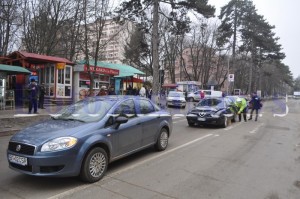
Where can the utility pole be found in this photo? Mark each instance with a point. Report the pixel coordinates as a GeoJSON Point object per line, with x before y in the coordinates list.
{"type": "Point", "coordinates": [228, 82]}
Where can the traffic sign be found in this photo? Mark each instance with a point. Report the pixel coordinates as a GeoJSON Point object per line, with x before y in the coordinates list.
{"type": "Point", "coordinates": [231, 78]}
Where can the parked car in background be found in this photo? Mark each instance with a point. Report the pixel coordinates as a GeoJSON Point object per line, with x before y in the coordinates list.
{"type": "Point", "coordinates": [84, 137]}
{"type": "Point", "coordinates": [212, 110]}
{"type": "Point", "coordinates": [176, 99]}
{"type": "Point", "coordinates": [195, 96]}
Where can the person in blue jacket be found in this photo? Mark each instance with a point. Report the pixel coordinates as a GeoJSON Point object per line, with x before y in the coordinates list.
{"type": "Point", "coordinates": [255, 104]}
{"type": "Point", "coordinates": [33, 93]}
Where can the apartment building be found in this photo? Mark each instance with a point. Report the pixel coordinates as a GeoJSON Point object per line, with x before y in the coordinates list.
{"type": "Point", "coordinates": [112, 42]}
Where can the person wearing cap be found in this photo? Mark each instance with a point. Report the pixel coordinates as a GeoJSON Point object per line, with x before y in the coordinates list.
{"type": "Point", "coordinates": [32, 96]}
{"type": "Point", "coordinates": [256, 105]}
{"type": "Point", "coordinates": [102, 91]}
{"type": "Point", "coordinates": [241, 104]}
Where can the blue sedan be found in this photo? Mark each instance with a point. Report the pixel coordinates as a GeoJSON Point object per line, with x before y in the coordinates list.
{"type": "Point", "coordinates": [84, 137]}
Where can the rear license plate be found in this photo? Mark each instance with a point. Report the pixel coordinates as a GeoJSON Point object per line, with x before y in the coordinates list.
{"type": "Point", "coordinates": [201, 119]}
{"type": "Point", "coordinates": [17, 159]}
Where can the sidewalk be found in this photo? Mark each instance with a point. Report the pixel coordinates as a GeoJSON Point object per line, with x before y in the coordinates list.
{"type": "Point", "coordinates": [12, 121]}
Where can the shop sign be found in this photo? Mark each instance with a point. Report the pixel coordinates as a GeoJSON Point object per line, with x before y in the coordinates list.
{"type": "Point", "coordinates": [101, 70]}
{"type": "Point", "coordinates": [60, 66]}
{"type": "Point", "coordinates": [36, 66]}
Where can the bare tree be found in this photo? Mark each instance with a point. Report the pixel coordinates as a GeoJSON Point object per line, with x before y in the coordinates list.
{"type": "Point", "coordinates": [9, 24]}
{"type": "Point", "coordinates": [96, 14]}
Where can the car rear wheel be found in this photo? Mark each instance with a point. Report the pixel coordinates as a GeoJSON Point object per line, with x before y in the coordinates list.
{"type": "Point", "coordinates": [162, 140]}
{"type": "Point", "coordinates": [94, 165]}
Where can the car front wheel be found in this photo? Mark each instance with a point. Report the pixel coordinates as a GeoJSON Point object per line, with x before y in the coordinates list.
{"type": "Point", "coordinates": [94, 165]}
{"type": "Point", "coordinates": [191, 123]}
{"type": "Point", "coordinates": [162, 140]}
{"type": "Point", "coordinates": [225, 122]}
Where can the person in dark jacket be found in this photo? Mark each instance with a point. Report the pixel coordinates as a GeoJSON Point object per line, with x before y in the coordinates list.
{"type": "Point", "coordinates": [42, 92]}
{"type": "Point", "coordinates": [255, 104]}
{"type": "Point", "coordinates": [111, 91]}
{"type": "Point", "coordinates": [32, 96]}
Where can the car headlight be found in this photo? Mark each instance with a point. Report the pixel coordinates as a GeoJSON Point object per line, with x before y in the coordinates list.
{"type": "Point", "coordinates": [59, 144]}
{"type": "Point", "coordinates": [215, 116]}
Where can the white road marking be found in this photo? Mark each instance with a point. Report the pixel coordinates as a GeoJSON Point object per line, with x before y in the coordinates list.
{"type": "Point", "coordinates": [256, 129]}
{"type": "Point", "coordinates": [260, 114]}
{"type": "Point", "coordinates": [178, 115]}
{"type": "Point", "coordinates": [179, 121]}
{"type": "Point", "coordinates": [82, 187]}
{"type": "Point", "coordinates": [25, 115]}
{"type": "Point", "coordinates": [70, 192]}
{"type": "Point", "coordinates": [160, 155]}
{"type": "Point", "coordinates": [232, 126]}
{"type": "Point", "coordinates": [282, 115]}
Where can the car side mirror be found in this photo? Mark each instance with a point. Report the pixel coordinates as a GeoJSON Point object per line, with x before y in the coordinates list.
{"type": "Point", "coordinates": [195, 104]}
{"type": "Point", "coordinates": [121, 120]}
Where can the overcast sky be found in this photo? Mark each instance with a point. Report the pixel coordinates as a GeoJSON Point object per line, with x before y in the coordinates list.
{"type": "Point", "coordinates": [283, 15]}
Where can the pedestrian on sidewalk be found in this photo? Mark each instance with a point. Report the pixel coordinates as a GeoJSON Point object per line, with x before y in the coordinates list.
{"type": "Point", "coordinates": [142, 92]}
{"type": "Point", "coordinates": [42, 92]}
{"type": "Point", "coordinates": [202, 94]}
{"type": "Point", "coordinates": [32, 96]}
{"type": "Point", "coordinates": [255, 104]}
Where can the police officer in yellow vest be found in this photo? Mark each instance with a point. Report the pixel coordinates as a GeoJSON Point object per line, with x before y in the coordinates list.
{"type": "Point", "coordinates": [241, 104]}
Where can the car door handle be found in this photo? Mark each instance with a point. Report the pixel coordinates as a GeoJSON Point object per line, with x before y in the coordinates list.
{"type": "Point", "coordinates": [138, 123]}
{"type": "Point", "coordinates": [158, 117]}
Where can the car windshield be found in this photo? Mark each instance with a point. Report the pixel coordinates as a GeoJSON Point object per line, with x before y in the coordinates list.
{"type": "Point", "coordinates": [176, 94]}
{"type": "Point", "coordinates": [211, 102]}
{"type": "Point", "coordinates": [85, 111]}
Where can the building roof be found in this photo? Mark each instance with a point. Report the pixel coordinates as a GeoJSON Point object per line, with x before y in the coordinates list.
{"type": "Point", "coordinates": [125, 70]}
{"type": "Point", "coordinates": [44, 57]}
{"type": "Point", "coordinates": [11, 70]}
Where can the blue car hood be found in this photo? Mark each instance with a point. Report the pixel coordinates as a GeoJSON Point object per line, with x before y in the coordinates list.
{"type": "Point", "coordinates": [39, 133]}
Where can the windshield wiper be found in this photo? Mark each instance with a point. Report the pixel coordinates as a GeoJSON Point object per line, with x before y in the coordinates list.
{"type": "Point", "coordinates": [67, 119]}
{"type": "Point", "coordinates": [73, 119]}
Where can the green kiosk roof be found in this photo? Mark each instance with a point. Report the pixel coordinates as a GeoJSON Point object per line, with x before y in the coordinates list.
{"type": "Point", "coordinates": [11, 70]}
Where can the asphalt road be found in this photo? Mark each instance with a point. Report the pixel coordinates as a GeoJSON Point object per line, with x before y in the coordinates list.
{"type": "Point", "coordinates": [251, 160]}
